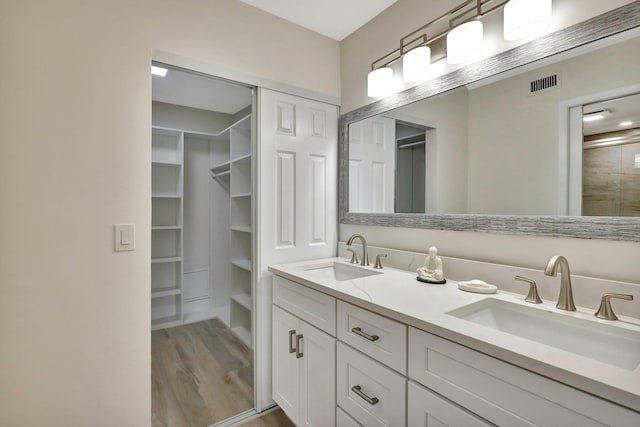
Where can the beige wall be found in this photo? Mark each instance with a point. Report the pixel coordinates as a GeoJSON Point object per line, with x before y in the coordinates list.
{"type": "Point", "coordinates": [598, 258]}
{"type": "Point", "coordinates": [513, 160]}
{"type": "Point", "coordinates": [75, 114]}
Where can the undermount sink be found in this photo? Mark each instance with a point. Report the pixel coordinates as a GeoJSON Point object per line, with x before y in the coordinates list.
{"type": "Point", "coordinates": [605, 343]}
{"type": "Point", "coordinates": [339, 271]}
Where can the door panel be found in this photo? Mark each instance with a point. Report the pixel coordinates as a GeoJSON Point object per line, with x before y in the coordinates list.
{"type": "Point", "coordinates": [298, 158]}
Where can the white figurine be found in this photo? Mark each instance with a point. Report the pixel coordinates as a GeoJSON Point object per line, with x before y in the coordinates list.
{"type": "Point", "coordinates": [432, 269]}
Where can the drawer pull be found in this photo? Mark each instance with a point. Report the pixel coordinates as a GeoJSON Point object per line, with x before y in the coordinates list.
{"type": "Point", "coordinates": [292, 349]}
{"type": "Point", "coordinates": [370, 400]}
{"type": "Point", "coordinates": [299, 354]}
{"type": "Point", "coordinates": [358, 331]}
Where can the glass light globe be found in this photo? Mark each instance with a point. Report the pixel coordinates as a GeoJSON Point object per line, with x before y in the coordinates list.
{"type": "Point", "coordinates": [465, 42]}
{"type": "Point", "coordinates": [526, 18]}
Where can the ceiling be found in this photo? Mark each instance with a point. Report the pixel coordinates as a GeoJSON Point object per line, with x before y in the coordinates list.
{"type": "Point", "coordinates": [333, 18]}
{"type": "Point", "coordinates": [198, 91]}
{"type": "Point", "coordinates": [621, 109]}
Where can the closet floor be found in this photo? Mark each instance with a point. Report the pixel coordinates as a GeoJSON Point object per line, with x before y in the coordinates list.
{"type": "Point", "coordinates": [275, 418]}
{"type": "Point", "coordinates": [200, 373]}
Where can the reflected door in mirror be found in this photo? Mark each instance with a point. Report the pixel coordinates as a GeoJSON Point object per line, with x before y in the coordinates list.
{"type": "Point", "coordinates": [372, 165]}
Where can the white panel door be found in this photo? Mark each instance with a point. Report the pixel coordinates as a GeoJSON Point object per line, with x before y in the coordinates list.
{"type": "Point", "coordinates": [298, 161]}
{"type": "Point", "coordinates": [285, 365]}
{"type": "Point", "coordinates": [372, 158]}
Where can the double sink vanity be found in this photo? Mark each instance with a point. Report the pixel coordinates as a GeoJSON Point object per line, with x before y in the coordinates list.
{"type": "Point", "coordinates": [356, 345]}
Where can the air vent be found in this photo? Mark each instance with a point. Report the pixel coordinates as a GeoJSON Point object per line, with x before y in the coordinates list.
{"type": "Point", "coordinates": [543, 84]}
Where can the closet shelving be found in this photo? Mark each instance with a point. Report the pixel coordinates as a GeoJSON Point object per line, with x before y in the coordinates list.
{"type": "Point", "coordinates": [241, 224]}
{"type": "Point", "coordinates": [166, 228]}
{"type": "Point", "coordinates": [178, 295]}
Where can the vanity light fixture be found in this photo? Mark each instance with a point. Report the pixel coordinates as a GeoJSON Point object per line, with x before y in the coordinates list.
{"type": "Point", "coordinates": [380, 82]}
{"type": "Point", "coordinates": [596, 115]}
{"type": "Point", "coordinates": [416, 64]}
{"type": "Point", "coordinates": [526, 18]}
{"type": "Point", "coordinates": [158, 71]}
{"type": "Point", "coordinates": [460, 42]}
{"type": "Point", "coordinates": [465, 42]}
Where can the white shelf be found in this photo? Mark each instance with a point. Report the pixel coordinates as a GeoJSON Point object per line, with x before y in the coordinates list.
{"type": "Point", "coordinates": [221, 167]}
{"type": "Point", "coordinates": [220, 174]}
{"type": "Point", "coordinates": [165, 293]}
{"type": "Point", "coordinates": [221, 313]}
{"type": "Point", "coordinates": [244, 264]}
{"type": "Point", "coordinates": [242, 229]}
{"type": "Point", "coordinates": [244, 158]}
{"type": "Point", "coordinates": [166, 259]}
{"type": "Point", "coordinates": [166, 227]}
{"type": "Point", "coordinates": [167, 164]}
{"type": "Point", "coordinates": [166, 196]}
{"type": "Point", "coordinates": [243, 333]}
{"type": "Point", "coordinates": [166, 322]}
{"type": "Point", "coordinates": [244, 300]}
{"type": "Point", "coordinates": [241, 195]}
{"type": "Point", "coordinates": [198, 316]}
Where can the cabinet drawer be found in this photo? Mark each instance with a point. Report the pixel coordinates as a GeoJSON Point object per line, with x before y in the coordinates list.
{"type": "Point", "coordinates": [368, 391]}
{"type": "Point", "coordinates": [379, 337]}
{"type": "Point", "coordinates": [344, 420]}
{"type": "Point", "coordinates": [315, 307]}
{"type": "Point", "coordinates": [426, 408]}
{"type": "Point", "coordinates": [502, 393]}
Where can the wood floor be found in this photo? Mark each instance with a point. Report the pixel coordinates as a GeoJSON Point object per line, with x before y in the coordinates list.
{"type": "Point", "coordinates": [275, 418]}
{"type": "Point", "coordinates": [201, 374]}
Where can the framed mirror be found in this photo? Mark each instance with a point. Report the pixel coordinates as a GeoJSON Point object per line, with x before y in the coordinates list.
{"type": "Point", "coordinates": [509, 144]}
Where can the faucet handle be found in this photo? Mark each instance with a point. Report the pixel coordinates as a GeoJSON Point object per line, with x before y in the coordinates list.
{"type": "Point", "coordinates": [606, 311]}
{"type": "Point", "coordinates": [354, 255]}
{"type": "Point", "coordinates": [378, 263]}
{"type": "Point", "coordinates": [533, 297]}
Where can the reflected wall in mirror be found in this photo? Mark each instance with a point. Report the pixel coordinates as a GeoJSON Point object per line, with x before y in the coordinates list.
{"type": "Point", "coordinates": [499, 158]}
{"type": "Point", "coordinates": [493, 147]}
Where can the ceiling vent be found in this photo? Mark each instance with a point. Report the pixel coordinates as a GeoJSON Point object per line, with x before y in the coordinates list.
{"type": "Point", "coordinates": [544, 84]}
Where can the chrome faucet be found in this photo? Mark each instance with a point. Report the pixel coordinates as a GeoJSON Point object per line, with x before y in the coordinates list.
{"type": "Point", "coordinates": [365, 256]}
{"type": "Point", "coordinates": [565, 298]}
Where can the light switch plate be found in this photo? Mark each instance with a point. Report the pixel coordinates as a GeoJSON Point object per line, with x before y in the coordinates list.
{"type": "Point", "coordinates": [124, 237]}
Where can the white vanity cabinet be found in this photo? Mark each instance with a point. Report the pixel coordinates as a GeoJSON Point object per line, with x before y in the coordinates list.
{"type": "Point", "coordinates": [503, 393]}
{"type": "Point", "coordinates": [303, 356]}
{"type": "Point", "coordinates": [383, 372]}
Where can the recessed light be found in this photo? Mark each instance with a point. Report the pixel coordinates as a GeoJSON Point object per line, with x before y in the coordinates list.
{"type": "Point", "coordinates": [158, 71]}
{"type": "Point", "coordinates": [596, 115]}
{"type": "Point", "coordinates": [626, 123]}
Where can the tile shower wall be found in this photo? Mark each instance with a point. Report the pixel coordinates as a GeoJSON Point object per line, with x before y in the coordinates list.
{"type": "Point", "coordinates": [611, 181]}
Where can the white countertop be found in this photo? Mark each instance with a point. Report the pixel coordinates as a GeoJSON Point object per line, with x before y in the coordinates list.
{"type": "Point", "coordinates": [397, 294]}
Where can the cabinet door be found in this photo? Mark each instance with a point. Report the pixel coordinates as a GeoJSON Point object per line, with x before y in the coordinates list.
{"type": "Point", "coordinates": [427, 409]}
{"type": "Point", "coordinates": [285, 382]}
{"type": "Point", "coordinates": [317, 377]}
